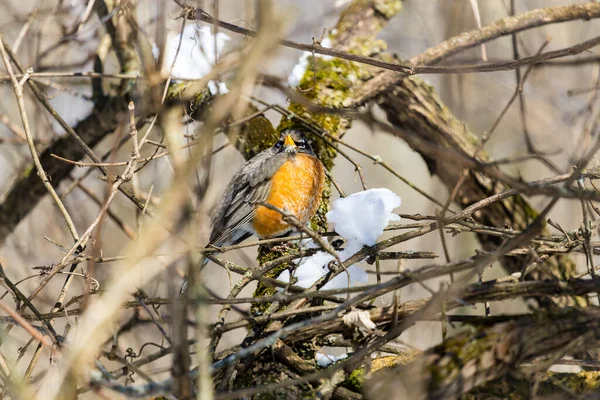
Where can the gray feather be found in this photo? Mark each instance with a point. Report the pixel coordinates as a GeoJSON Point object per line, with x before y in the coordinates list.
{"type": "Point", "coordinates": [237, 207]}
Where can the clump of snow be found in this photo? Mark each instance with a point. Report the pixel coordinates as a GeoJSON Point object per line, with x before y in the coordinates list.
{"type": "Point", "coordinates": [197, 55]}
{"type": "Point", "coordinates": [325, 360]}
{"type": "Point", "coordinates": [217, 87]}
{"type": "Point", "coordinates": [363, 216]}
{"type": "Point", "coordinates": [299, 69]}
{"type": "Point", "coordinates": [315, 267]}
{"type": "Point", "coordinates": [360, 219]}
{"type": "Point", "coordinates": [71, 108]}
{"type": "Point", "coordinates": [360, 319]}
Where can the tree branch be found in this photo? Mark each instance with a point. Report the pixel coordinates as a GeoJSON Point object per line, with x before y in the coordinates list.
{"type": "Point", "coordinates": [502, 27]}
{"type": "Point", "coordinates": [473, 358]}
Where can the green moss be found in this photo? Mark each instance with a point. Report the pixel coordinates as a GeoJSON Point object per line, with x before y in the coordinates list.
{"type": "Point", "coordinates": [319, 221]}
{"type": "Point", "coordinates": [578, 383]}
{"type": "Point", "coordinates": [256, 135]}
{"type": "Point", "coordinates": [388, 8]}
{"type": "Point", "coordinates": [551, 383]}
{"type": "Point", "coordinates": [198, 104]}
{"type": "Point", "coordinates": [330, 82]}
{"type": "Point", "coordinates": [266, 254]}
{"type": "Point", "coordinates": [456, 352]}
{"type": "Point", "coordinates": [356, 379]}
{"type": "Point", "coordinates": [175, 91]}
{"type": "Point", "coordinates": [367, 47]}
{"type": "Point", "coordinates": [385, 362]}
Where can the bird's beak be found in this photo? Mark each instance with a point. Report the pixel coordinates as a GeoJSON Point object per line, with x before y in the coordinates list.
{"type": "Point", "coordinates": [289, 142]}
{"type": "Point", "coordinates": [289, 146]}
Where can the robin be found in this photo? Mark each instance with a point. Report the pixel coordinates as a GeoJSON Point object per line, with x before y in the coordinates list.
{"type": "Point", "coordinates": [287, 176]}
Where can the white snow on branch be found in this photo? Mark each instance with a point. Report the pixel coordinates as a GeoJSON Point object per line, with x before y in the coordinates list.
{"type": "Point", "coordinates": [197, 55]}
{"type": "Point", "coordinates": [360, 319]}
{"type": "Point", "coordinates": [325, 360]}
{"type": "Point", "coordinates": [299, 69]}
{"type": "Point", "coordinates": [360, 219]}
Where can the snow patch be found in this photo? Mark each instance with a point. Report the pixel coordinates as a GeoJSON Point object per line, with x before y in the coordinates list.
{"type": "Point", "coordinates": [315, 267]}
{"type": "Point", "coordinates": [197, 55]}
{"type": "Point", "coordinates": [359, 318]}
{"type": "Point", "coordinates": [360, 219]}
{"type": "Point", "coordinates": [325, 360]}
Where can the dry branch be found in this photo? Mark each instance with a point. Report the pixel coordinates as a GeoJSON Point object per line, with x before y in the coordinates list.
{"type": "Point", "coordinates": [503, 27]}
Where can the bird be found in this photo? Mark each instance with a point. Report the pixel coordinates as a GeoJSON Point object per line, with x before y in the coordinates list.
{"type": "Point", "coordinates": [288, 176]}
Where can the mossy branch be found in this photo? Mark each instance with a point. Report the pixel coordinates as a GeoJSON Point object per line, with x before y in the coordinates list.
{"type": "Point", "coordinates": [478, 356]}
{"type": "Point", "coordinates": [415, 109]}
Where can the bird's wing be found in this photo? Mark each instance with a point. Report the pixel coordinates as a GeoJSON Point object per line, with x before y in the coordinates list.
{"type": "Point", "coordinates": [237, 207]}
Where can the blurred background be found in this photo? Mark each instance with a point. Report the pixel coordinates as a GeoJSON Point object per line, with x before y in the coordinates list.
{"type": "Point", "coordinates": [555, 118]}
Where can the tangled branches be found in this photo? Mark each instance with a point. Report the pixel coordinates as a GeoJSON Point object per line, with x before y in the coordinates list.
{"type": "Point", "coordinates": [252, 324]}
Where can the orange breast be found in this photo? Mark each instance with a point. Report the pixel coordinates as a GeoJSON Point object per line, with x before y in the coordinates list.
{"type": "Point", "coordinates": [296, 188]}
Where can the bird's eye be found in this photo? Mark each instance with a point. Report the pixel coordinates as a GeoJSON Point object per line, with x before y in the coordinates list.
{"type": "Point", "coordinates": [301, 143]}
{"type": "Point", "coordinates": [279, 144]}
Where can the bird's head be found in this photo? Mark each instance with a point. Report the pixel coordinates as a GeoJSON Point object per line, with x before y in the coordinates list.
{"type": "Point", "coordinates": [292, 141]}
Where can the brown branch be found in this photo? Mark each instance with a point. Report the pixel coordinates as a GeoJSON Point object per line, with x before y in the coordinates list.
{"type": "Point", "coordinates": [41, 173]}
{"type": "Point", "coordinates": [26, 192]}
{"type": "Point", "coordinates": [471, 359]}
{"type": "Point", "coordinates": [472, 294]}
{"type": "Point", "coordinates": [28, 328]}
{"type": "Point", "coordinates": [107, 115]}
{"type": "Point", "coordinates": [416, 111]}
{"type": "Point", "coordinates": [502, 27]}
{"type": "Point", "coordinates": [410, 309]}
{"type": "Point", "coordinates": [367, 13]}
{"type": "Point", "coordinates": [418, 65]}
